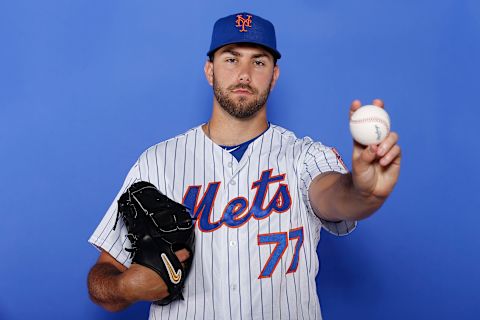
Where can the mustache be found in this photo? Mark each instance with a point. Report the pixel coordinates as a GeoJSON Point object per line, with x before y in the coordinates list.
{"type": "Point", "coordinates": [242, 86]}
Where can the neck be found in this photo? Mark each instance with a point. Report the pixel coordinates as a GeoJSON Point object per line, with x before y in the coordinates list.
{"type": "Point", "coordinates": [223, 129]}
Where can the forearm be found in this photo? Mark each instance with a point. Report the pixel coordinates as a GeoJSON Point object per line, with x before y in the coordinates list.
{"type": "Point", "coordinates": [334, 198]}
{"type": "Point", "coordinates": [105, 287]}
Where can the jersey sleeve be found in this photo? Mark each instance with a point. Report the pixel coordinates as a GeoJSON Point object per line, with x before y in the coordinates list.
{"type": "Point", "coordinates": [105, 237]}
{"type": "Point", "coordinates": [320, 159]}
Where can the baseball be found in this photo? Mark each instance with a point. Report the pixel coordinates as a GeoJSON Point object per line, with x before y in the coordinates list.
{"type": "Point", "coordinates": [369, 125]}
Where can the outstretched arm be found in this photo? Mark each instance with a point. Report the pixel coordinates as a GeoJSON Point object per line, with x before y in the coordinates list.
{"type": "Point", "coordinates": [357, 195]}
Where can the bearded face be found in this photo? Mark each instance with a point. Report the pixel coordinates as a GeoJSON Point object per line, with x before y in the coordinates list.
{"type": "Point", "coordinates": [240, 106]}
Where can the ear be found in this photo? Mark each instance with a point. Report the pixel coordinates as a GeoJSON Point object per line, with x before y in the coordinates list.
{"type": "Point", "coordinates": [276, 74]}
{"type": "Point", "coordinates": [208, 69]}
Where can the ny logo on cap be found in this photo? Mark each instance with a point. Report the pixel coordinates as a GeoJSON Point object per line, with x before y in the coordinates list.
{"type": "Point", "coordinates": [242, 22]}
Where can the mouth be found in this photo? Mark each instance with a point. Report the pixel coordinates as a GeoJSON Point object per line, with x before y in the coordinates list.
{"type": "Point", "coordinates": [242, 91]}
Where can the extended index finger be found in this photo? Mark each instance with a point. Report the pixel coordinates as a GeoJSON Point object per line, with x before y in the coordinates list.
{"type": "Point", "coordinates": [356, 104]}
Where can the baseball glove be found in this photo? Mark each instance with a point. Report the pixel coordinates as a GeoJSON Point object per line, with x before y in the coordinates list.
{"type": "Point", "coordinates": [157, 227]}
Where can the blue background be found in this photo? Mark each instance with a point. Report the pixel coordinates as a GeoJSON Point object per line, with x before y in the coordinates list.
{"type": "Point", "coordinates": [86, 86]}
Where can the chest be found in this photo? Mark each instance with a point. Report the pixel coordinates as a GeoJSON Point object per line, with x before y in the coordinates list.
{"type": "Point", "coordinates": [223, 192]}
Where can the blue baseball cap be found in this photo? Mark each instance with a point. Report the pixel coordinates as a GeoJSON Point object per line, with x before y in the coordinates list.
{"type": "Point", "coordinates": [244, 28]}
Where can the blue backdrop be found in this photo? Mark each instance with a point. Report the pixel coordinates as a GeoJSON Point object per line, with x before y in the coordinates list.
{"type": "Point", "coordinates": [86, 86]}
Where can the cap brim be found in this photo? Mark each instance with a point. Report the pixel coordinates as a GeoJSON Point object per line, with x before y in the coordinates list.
{"type": "Point", "coordinates": [274, 52]}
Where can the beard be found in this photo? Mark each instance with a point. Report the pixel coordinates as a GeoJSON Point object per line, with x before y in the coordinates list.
{"type": "Point", "coordinates": [240, 108]}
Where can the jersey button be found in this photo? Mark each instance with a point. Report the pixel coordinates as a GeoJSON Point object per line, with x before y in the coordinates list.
{"type": "Point", "coordinates": [230, 164]}
{"type": "Point", "coordinates": [233, 182]}
{"type": "Point", "coordinates": [233, 287]}
{"type": "Point", "coordinates": [233, 243]}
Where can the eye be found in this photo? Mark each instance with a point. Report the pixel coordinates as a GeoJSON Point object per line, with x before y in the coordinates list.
{"type": "Point", "coordinates": [230, 60]}
{"type": "Point", "coordinates": [259, 63]}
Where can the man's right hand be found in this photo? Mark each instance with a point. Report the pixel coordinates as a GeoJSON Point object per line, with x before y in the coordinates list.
{"type": "Point", "coordinates": [141, 283]}
{"type": "Point", "coordinates": [115, 287]}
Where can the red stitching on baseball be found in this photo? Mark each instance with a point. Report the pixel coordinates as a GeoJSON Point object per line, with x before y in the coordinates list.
{"type": "Point", "coordinates": [372, 120]}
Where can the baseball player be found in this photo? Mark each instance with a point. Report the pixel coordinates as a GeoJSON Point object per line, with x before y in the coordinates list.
{"type": "Point", "coordinates": [258, 194]}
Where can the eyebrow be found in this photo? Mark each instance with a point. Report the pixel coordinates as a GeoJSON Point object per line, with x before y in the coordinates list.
{"type": "Point", "coordinates": [260, 55]}
{"type": "Point", "coordinates": [232, 52]}
{"type": "Point", "coordinates": [238, 54]}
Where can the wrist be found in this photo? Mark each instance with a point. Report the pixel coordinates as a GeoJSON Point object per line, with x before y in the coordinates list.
{"type": "Point", "coordinates": [363, 199]}
{"type": "Point", "coordinates": [368, 198]}
{"type": "Point", "coordinates": [124, 287]}
{"type": "Point", "coordinates": [364, 191]}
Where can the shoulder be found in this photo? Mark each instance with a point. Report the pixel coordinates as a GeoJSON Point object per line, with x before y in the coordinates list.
{"type": "Point", "coordinates": [183, 138]}
{"type": "Point", "coordinates": [292, 139]}
{"type": "Point", "coordinates": [307, 151]}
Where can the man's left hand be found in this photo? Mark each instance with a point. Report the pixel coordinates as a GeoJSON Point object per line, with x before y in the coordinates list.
{"type": "Point", "coordinates": [375, 168]}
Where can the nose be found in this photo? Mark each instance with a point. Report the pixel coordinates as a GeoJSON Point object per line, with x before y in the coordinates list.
{"type": "Point", "coordinates": [244, 74]}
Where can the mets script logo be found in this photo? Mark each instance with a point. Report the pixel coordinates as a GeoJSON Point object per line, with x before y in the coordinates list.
{"type": "Point", "coordinates": [241, 22]}
{"type": "Point", "coordinates": [175, 277]}
{"type": "Point", "coordinates": [239, 210]}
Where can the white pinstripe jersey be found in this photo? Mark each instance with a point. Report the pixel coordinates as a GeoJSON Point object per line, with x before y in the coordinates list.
{"type": "Point", "coordinates": [256, 234]}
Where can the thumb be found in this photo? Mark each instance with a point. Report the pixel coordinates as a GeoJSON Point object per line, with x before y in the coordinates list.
{"type": "Point", "coordinates": [366, 156]}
